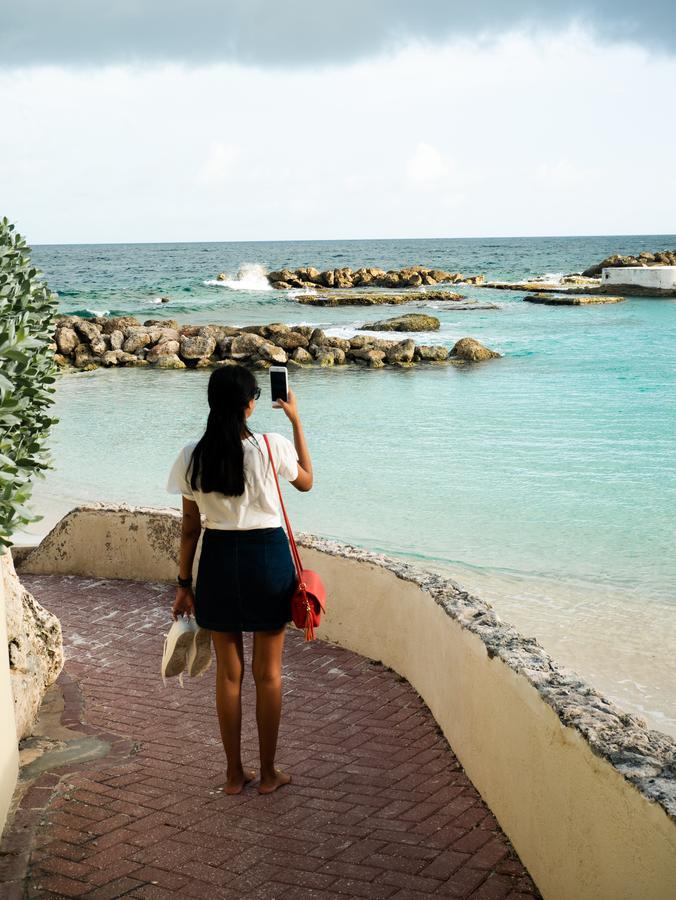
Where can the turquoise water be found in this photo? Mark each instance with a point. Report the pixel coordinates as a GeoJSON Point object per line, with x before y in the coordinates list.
{"type": "Point", "coordinates": [548, 477]}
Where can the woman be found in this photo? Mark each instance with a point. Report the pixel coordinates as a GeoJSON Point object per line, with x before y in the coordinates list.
{"type": "Point", "coordinates": [245, 577]}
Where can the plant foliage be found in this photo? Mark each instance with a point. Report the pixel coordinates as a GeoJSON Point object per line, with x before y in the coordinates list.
{"type": "Point", "coordinates": [27, 373]}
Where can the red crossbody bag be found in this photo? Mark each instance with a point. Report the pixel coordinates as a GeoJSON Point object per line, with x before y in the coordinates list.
{"type": "Point", "coordinates": [309, 599]}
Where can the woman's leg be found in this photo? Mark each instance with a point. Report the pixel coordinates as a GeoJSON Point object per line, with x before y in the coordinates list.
{"type": "Point", "coordinates": [267, 673]}
{"type": "Point", "coordinates": [229, 677]}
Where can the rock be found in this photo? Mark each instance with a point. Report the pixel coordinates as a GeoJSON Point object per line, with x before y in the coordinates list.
{"type": "Point", "coordinates": [325, 356]}
{"type": "Point", "coordinates": [301, 356]}
{"type": "Point", "coordinates": [272, 352]}
{"type": "Point", "coordinates": [246, 344]}
{"type": "Point", "coordinates": [88, 330]}
{"type": "Point", "coordinates": [401, 352]}
{"type": "Point", "coordinates": [166, 348]}
{"type": "Point", "coordinates": [308, 273]}
{"type": "Point", "coordinates": [290, 341]}
{"type": "Point", "coordinates": [475, 279]}
{"type": "Point", "coordinates": [34, 646]}
{"type": "Point", "coordinates": [339, 356]}
{"type": "Point", "coordinates": [111, 357]}
{"type": "Point", "coordinates": [160, 335]}
{"type": "Point", "coordinates": [164, 323]}
{"type": "Point", "coordinates": [390, 279]}
{"type": "Point", "coordinates": [196, 346]}
{"type": "Point", "coordinates": [328, 279]}
{"type": "Point", "coordinates": [66, 340]}
{"type": "Point", "coordinates": [170, 361]}
{"type": "Point", "coordinates": [318, 337]}
{"type": "Point", "coordinates": [429, 353]}
{"type": "Point", "coordinates": [373, 358]}
{"type": "Point", "coordinates": [99, 346]}
{"type": "Point", "coordinates": [408, 322]}
{"type": "Point", "coordinates": [221, 331]}
{"type": "Point", "coordinates": [471, 350]}
{"type": "Point", "coordinates": [281, 275]}
{"type": "Point", "coordinates": [130, 359]}
{"type": "Point", "coordinates": [361, 341]}
{"type": "Point", "coordinates": [135, 341]}
{"type": "Point", "coordinates": [119, 322]}
{"type": "Point", "coordinates": [571, 299]}
{"type": "Point", "coordinates": [61, 361]}
{"type": "Point", "coordinates": [222, 276]}
{"type": "Point", "coordinates": [84, 358]}
{"type": "Point", "coordinates": [116, 339]}
{"type": "Point", "coordinates": [305, 330]}
{"type": "Point", "coordinates": [224, 345]}
{"type": "Point", "coordinates": [338, 343]}
{"type": "Point", "coordinates": [271, 331]}
{"type": "Point", "coordinates": [282, 286]}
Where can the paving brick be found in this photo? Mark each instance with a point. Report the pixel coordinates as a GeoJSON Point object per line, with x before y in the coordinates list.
{"type": "Point", "coordinates": [495, 887]}
{"type": "Point", "coordinates": [379, 806]}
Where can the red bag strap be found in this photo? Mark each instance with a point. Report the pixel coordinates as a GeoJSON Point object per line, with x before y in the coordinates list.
{"type": "Point", "coordinates": [292, 540]}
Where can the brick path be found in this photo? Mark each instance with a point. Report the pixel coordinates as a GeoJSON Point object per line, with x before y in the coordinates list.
{"type": "Point", "coordinates": [379, 807]}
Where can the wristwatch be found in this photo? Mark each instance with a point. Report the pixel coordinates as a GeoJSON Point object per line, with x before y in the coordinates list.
{"type": "Point", "coordinates": [184, 582]}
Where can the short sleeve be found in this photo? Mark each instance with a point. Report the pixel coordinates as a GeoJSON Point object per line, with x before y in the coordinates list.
{"type": "Point", "coordinates": [286, 458]}
{"type": "Point", "coordinates": [177, 482]}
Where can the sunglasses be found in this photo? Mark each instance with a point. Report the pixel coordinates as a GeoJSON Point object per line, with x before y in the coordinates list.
{"type": "Point", "coordinates": [257, 393]}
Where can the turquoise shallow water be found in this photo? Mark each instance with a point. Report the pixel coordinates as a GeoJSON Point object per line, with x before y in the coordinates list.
{"type": "Point", "coordinates": [547, 479]}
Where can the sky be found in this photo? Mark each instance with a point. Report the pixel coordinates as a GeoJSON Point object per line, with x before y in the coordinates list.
{"type": "Point", "coordinates": [294, 120]}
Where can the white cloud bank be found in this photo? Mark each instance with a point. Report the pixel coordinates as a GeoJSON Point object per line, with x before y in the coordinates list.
{"type": "Point", "coordinates": [538, 136]}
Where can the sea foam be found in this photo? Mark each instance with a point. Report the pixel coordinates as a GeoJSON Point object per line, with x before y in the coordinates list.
{"type": "Point", "coordinates": [251, 277]}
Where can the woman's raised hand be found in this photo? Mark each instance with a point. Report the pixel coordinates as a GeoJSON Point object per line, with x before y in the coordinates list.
{"type": "Point", "coordinates": [289, 406]}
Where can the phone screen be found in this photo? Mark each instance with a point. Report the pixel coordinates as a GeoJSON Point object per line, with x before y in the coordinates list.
{"type": "Point", "coordinates": [278, 385]}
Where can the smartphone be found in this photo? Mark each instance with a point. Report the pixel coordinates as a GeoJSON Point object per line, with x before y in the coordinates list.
{"type": "Point", "coordinates": [279, 384]}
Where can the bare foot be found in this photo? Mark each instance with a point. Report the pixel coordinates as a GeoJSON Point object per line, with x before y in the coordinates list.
{"type": "Point", "coordinates": [235, 784]}
{"type": "Point", "coordinates": [271, 783]}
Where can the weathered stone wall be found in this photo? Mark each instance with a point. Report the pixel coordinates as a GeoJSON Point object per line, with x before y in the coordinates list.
{"type": "Point", "coordinates": [35, 647]}
{"type": "Point", "coordinates": [9, 745]}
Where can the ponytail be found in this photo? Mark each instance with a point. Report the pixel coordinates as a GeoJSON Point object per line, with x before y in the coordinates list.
{"type": "Point", "coordinates": [217, 461]}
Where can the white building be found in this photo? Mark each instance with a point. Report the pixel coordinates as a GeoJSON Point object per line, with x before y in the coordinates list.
{"type": "Point", "coordinates": [657, 278]}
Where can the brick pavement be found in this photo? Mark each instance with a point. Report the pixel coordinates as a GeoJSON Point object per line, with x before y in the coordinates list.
{"type": "Point", "coordinates": [379, 806]}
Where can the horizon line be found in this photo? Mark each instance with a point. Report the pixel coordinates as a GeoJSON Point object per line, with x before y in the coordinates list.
{"type": "Point", "coordinates": [346, 240]}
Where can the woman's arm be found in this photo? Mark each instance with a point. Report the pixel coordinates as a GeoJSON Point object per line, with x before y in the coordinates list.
{"type": "Point", "coordinates": [191, 528]}
{"type": "Point", "coordinates": [305, 478]}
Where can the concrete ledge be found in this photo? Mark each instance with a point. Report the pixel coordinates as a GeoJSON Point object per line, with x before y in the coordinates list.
{"type": "Point", "coordinates": [585, 792]}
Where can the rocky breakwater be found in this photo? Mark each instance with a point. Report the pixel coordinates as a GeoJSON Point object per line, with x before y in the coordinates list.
{"type": "Point", "coordinates": [660, 258]}
{"type": "Point", "coordinates": [572, 300]}
{"type": "Point", "coordinates": [375, 299]}
{"type": "Point", "coordinates": [410, 276]}
{"type": "Point", "coordinates": [88, 344]}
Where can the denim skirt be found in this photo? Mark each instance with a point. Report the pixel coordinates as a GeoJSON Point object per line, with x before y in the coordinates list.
{"type": "Point", "coordinates": [245, 580]}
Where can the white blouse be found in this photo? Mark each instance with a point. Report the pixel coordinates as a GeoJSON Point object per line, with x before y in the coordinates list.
{"type": "Point", "coordinates": [258, 506]}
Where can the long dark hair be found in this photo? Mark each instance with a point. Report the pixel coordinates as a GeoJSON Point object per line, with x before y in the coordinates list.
{"type": "Point", "coordinates": [218, 457]}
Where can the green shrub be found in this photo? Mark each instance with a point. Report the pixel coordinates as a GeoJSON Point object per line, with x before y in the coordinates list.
{"type": "Point", "coordinates": [27, 369]}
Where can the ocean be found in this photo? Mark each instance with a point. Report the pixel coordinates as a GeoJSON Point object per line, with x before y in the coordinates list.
{"type": "Point", "coordinates": [544, 481]}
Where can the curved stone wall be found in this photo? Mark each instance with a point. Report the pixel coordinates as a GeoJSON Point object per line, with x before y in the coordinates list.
{"type": "Point", "coordinates": [585, 792]}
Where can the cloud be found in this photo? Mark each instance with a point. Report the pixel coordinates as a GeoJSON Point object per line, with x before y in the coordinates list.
{"type": "Point", "coordinates": [295, 33]}
{"type": "Point", "coordinates": [427, 167]}
{"type": "Point", "coordinates": [219, 164]}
